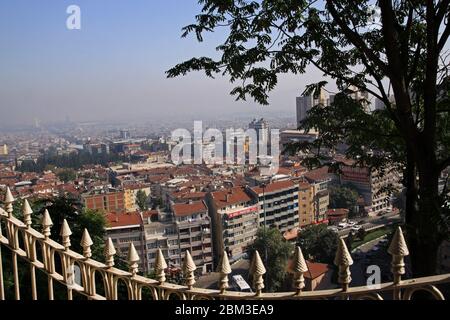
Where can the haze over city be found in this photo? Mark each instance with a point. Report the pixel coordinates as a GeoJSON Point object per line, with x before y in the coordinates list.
{"type": "Point", "coordinates": [114, 67]}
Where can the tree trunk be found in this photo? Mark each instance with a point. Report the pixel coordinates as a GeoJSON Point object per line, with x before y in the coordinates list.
{"type": "Point", "coordinates": [423, 225]}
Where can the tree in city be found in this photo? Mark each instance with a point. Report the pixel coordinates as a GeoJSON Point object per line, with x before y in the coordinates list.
{"type": "Point", "coordinates": [142, 200]}
{"type": "Point", "coordinates": [67, 175]}
{"type": "Point", "coordinates": [318, 243]}
{"type": "Point", "coordinates": [344, 198]}
{"type": "Point", "coordinates": [275, 253]}
{"type": "Point", "coordinates": [399, 57]}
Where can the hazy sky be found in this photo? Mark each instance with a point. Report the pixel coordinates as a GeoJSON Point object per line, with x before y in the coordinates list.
{"type": "Point", "coordinates": [113, 68]}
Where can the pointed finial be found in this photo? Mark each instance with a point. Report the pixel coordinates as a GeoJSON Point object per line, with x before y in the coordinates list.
{"type": "Point", "coordinates": [133, 259]}
{"type": "Point", "coordinates": [160, 267]}
{"type": "Point", "coordinates": [86, 243]}
{"type": "Point", "coordinates": [46, 224]}
{"type": "Point", "coordinates": [65, 234]}
{"type": "Point", "coordinates": [224, 269]}
{"type": "Point", "coordinates": [110, 251]}
{"type": "Point", "coordinates": [188, 269]}
{"type": "Point", "coordinates": [343, 260]}
{"type": "Point", "coordinates": [9, 200]}
{"type": "Point", "coordinates": [299, 268]}
{"type": "Point", "coordinates": [258, 271]}
{"type": "Point", "coordinates": [399, 250]}
{"type": "Point", "coordinates": [27, 212]}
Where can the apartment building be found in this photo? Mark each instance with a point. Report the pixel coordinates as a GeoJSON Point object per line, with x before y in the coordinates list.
{"type": "Point", "coordinates": [186, 228]}
{"type": "Point", "coordinates": [306, 212]}
{"type": "Point", "coordinates": [193, 226]}
{"type": "Point", "coordinates": [235, 221]}
{"type": "Point", "coordinates": [277, 205]}
{"type": "Point", "coordinates": [370, 184]}
{"type": "Point", "coordinates": [105, 201]}
{"type": "Point", "coordinates": [320, 179]}
{"type": "Point", "coordinates": [124, 229]}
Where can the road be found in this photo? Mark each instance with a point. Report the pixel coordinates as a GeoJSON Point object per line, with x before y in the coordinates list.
{"type": "Point", "coordinates": [374, 222]}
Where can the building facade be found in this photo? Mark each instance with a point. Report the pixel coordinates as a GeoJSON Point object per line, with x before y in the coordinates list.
{"type": "Point", "coordinates": [105, 201]}
{"type": "Point", "coordinates": [278, 205]}
{"type": "Point", "coordinates": [235, 221]}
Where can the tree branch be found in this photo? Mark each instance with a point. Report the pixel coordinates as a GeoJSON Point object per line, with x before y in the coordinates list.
{"type": "Point", "coordinates": [356, 39]}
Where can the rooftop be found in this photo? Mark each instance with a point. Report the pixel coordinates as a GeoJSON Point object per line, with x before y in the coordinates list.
{"type": "Point", "coordinates": [275, 186]}
{"type": "Point", "coordinates": [225, 198]}
{"type": "Point", "coordinates": [188, 209]}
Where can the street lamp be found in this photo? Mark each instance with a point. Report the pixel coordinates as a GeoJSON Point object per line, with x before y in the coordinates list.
{"type": "Point", "coordinates": [263, 186]}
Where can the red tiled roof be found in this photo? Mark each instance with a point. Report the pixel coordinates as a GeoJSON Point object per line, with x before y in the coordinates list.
{"type": "Point", "coordinates": [275, 186]}
{"type": "Point", "coordinates": [320, 174]}
{"type": "Point", "coordinates": [315, 270]}
{"type": "Point", "coordinates": [188, 209]}
{"type": "Point", "coordinates": [231, 196]}
{"type": "Point", "coordinates": [291, 234]}
{"type": "Point", "coordinates": [191, 195]}
{"type": "Point", "coordinates": [337, 212]}
{"type": "Point", "coordinates": [117, 220]}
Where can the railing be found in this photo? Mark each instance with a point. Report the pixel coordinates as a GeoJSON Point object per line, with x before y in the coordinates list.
{"type": "Point", "coordinates": [23, 242]}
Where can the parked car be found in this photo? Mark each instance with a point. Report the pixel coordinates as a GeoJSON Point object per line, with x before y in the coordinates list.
{"type": "Point", "coordinates": [333, 228]}
{"type": "Point", "coordinates": [342, 226]}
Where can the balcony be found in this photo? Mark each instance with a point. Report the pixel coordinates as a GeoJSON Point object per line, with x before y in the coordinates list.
{"type": "Point", "coordinates": [41, 253]}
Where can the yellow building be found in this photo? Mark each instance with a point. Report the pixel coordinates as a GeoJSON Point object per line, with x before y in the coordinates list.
{"type": "Point", "coordinates": [306, 204]}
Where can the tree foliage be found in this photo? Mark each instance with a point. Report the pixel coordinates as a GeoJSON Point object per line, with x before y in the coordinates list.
{"type": "Point", "coordinates": [74, 160]}
{"type": "Point", "coordinates": [343, 198]}
{"type": "Point", "coordinates": [275, 252]}
{"type": "Point", "coordinates": [142, 200]}
{"type": "Point", "coordinates": [318, 243]}
{"type": "Point", "coordinates": [402, 53]}
{"type": "Point", "coordinates": [67, 175]}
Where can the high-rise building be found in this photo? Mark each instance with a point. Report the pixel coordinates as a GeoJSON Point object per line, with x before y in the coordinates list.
{"type": "Point", "coordinates": [125, 134]}
{"type": "Point", "coordinates": [4, 150]}
{"type": "Point", "coordinates": [234, 219]}
{"type": "Point", "coordinates": [261, 127]}
{"type": "Point", "coordinates": [278, 205]}
{"type": "Point", "coordinates": [306, 103]}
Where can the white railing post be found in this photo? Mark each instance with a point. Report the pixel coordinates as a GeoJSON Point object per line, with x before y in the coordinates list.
{"type": "Point", "coordinates": [399, 250]}
{"type": "Point", "coordinates": [13, 241]}
{"type": "Point", "coordinates": [160, 267]}
{"type": "Point", "coordinates": [68, 269]}
{"type": "Point", "coordinates": [30, 244]}
{"type": "Point", "coordinates": [86, 243]}
{"type": "Point", "coordinates": [188, 269]}
{"type": "Point", "coordinates": [299, 268]}
{"type": "Point", "coordinates": [343, 260]}
{"type": "Point", "coordinates": [47, 224]}
{"type": "Point", "coordinates": [224, 269]}
{"type": "Point", "coordinates": [257, 271]}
